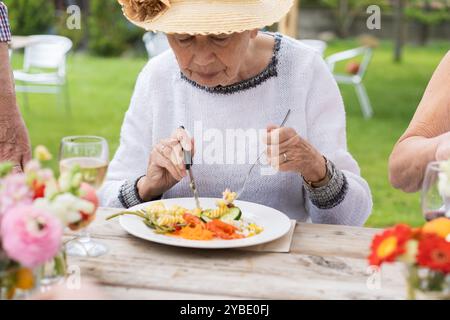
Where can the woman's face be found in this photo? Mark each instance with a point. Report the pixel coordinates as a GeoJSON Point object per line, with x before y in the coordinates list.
{"type": "Point", "coordinates": [211, 60]}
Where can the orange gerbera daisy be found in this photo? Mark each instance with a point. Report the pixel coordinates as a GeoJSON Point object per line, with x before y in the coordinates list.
{"type": "Point", "coordinates": [440, 227]}
{"type": "Point", "coordinates": [390, 244]}
{"type": "Point", "coordinates": [434, 253]}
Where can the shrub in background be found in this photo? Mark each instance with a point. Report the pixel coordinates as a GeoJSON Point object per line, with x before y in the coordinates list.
{"type": "Point", "coordinates": [29, 17]}
{"type": "Point", "coordinates": [428, 13]}
{"type": "Point", "coordinates": [345, 12]}
{"type": "Point", "coordinates": [110, 34]}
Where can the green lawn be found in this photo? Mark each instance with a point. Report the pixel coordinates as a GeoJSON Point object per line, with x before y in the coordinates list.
{"type": "Point", "coordinates": [101, 88]}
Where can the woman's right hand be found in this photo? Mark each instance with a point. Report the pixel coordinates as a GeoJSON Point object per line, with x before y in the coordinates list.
{"type": "Point", "coordinates": [166, 166]}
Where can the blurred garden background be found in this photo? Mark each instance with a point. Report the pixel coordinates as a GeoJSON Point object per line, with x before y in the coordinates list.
{"type": "Point", "coordinates": [108, 54]}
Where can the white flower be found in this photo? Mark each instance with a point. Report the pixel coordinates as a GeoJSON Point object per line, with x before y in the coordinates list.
{"type": "Point", "coordinates": [70, 180]}
{"type": "Point", "coordinates": [64, 181]}
{"type": "Point", "coordinates": [66, 207]}
{"type": "Point", "coordinates": [51, 189]}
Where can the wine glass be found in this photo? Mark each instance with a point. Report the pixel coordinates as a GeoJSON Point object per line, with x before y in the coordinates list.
{"type": "Point", "coordinates": [434, 203]}
{"type": "Point", "coordinates": [91, 155]}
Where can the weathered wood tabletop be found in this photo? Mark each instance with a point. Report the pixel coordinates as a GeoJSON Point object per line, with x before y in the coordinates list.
{"type": "Point", "coordinates": [326, 262]}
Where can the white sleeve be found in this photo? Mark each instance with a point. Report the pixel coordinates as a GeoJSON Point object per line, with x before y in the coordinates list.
{"type": "Point", "coordinates": [327, 132]}
{"type": "Point", "coordinates": [131, 158]}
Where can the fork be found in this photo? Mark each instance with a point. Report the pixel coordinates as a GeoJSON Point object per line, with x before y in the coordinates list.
{"type": "Point", "coordinates": [239, 193]}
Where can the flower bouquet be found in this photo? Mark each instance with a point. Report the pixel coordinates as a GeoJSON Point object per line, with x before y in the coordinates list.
{"type": "Point", "coordinates": [35, 207]}
{"type": "Point", "coordinates": [426, 253]}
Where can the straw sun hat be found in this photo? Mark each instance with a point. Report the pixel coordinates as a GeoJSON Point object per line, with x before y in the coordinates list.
{"type": "Point", "coordinates": [204, 16]}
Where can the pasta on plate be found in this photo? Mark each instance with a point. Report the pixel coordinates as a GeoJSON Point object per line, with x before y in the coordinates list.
{"type": "Point", "coordinates": [223, 222]}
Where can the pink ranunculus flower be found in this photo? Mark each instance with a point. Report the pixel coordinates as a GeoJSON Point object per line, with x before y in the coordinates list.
{"type": "Point", "coordinates": [14, 191]}
{"type": "Point", "coordinates": [30, 236]}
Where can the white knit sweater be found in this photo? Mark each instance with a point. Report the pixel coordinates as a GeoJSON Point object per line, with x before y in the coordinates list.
{"type": "Point", "coordinates": [297, 79]}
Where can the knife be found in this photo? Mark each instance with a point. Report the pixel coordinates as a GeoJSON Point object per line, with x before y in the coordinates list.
{"type": "Point", "coordinates": [188, 163]}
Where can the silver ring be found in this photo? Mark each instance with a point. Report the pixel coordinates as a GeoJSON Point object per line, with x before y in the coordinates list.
{"type": "Point", "coordinates": [285, 157]}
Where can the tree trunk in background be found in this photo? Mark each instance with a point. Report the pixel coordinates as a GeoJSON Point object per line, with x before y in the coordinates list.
{"type": "Point", "coordinates": [424, 33]}
{"type": "Point", "coordinates": [399, 29]}
{"type": "Point", "coordinates": [343, 16]}
{"type": "Point", "coordinates": [424, 27]}
{"type": "Point", "coordinates": [289, 24]}
{"type": "Point", "coordinates": [85, 24]}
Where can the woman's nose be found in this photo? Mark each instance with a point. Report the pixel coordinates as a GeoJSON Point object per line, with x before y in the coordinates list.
{"type": "Point", "coordinates": [203, 55]}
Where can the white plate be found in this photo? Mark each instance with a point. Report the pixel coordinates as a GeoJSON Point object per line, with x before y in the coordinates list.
{"type": "Point", "coordinates": [275, 223]}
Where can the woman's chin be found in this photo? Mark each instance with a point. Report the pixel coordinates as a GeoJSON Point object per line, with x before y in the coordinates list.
{"type": "Point", "coordinates": [209, 82]}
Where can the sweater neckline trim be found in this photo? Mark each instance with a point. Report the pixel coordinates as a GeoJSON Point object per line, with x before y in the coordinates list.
{"type": "Point", "coordinates": [269, 72]}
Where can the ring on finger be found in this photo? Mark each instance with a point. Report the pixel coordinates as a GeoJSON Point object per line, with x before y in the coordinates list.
{"type": "Point", "coordinates": [285, 157]}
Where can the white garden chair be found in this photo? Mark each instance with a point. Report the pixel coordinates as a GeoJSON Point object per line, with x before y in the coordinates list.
{"type": "Point", "coordinates": [318, 45]}
{"type": "Point", "coordinates": [155, 43]}
{"type": "Point", "coordinates": [357, 79]}
{"type": "Point", "coordinates": [44, 67]}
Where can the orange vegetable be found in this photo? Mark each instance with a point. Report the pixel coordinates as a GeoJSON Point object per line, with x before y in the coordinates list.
{"type": "Point", "coordinates": [227, 228]}
{"type": "Point", "coordinates": [192, 220]}
{"type": "Point", "coordinates": [223, 230]}
{"type": "Point", "coordinates": [196, 229]}
{"type": "Point", "coordinates": [195, 232]}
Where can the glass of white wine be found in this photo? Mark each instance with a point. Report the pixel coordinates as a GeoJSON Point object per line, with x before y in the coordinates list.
{"type": "Point", "coordinates": [434, 203]}
{"type": "Point", "coordinates": [91, 155]}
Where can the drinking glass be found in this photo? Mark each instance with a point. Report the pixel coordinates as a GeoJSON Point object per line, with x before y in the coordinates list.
{"type": "Point", "coordinates": [434, 203]}
{"type": "Point", "coordinates": [91, 155]}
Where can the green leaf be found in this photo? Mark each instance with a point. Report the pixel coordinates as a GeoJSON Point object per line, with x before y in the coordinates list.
{"type": "Point", "coordinates": [5, 168]}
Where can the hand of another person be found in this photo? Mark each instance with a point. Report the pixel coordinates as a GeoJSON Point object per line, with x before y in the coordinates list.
{"type": "Point", "coordinates": [443, 148]}
{"type": "Point", "coordinates": [166, 166]}
{"type": "Point", "coordinates": [14, 140]}
{"type": "Point", "coordinates": [287, 151]}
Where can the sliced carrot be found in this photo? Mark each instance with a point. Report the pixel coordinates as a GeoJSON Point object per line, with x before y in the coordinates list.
{"type": "Point", "coordinates": [191, 219]}
{"type": "Point", "coordinates": [218, 224]}
{"type": "Point", "coordinates": [196, 232]}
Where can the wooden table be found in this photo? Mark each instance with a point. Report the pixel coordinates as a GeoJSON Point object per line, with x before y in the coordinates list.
{"type": "Point", "coordinates": [326, 262]}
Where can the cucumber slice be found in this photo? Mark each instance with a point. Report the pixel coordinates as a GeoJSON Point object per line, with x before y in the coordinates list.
{"type": "Point", "coordinates": [205, 218]}
{"type": "Point", "coordinates": [234, 214]}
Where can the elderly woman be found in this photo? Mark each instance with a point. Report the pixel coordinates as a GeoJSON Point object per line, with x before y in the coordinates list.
{"type": "Point", "coordinates": [428, 135]}
{"type": "Point", "coordinates": [225, 82]}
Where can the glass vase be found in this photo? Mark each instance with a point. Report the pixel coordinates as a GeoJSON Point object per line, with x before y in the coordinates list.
{"type": "Point", "coordinates": [54, 270]}
{"type": "Point", "coordinates": [18, 283]}
{"type": "Point", "coordinates": [426, 284]}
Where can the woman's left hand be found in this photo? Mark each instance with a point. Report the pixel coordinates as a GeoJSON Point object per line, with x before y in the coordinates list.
{"type": "Point", "coordinates": [287, 151]}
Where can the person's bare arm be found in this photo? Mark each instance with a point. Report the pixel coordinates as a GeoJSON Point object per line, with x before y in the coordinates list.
{"type": "Point", "coordinates": [14, 141]}
{"type": "Point", "coordinates": [428, 135]}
